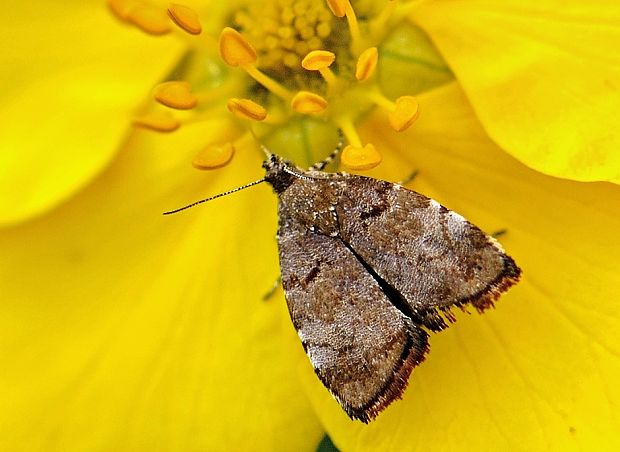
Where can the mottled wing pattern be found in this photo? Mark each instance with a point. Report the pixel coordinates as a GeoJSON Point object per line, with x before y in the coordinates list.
{"type": "Point", "coordinates": [431, 256]}
{"type": "Point", "coordinates": [362, 347]}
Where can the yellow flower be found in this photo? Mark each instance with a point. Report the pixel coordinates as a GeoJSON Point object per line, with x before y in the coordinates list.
{"type": "Point", "coordinates": [125, 330]}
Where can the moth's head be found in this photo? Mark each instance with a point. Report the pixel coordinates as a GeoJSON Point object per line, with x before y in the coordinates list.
{"type": "Point", "coordinates": [279, 173]}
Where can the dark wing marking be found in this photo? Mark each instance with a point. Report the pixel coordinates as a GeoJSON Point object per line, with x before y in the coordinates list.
{"type": "Point", "coordinates": [430, 255]}
{"type": "Point", "coordinates": [361, 346]}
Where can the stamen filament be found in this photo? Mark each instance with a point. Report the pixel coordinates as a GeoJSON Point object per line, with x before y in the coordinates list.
{"type": "Point", "coordinates": [347, 127]}
{"type": "Point", "coordinates": [328, 76]}
{"type": "Point", "coordinates": [320, 60]}
{"type": "Point", "coordinates": [379, 99]}
{"type": "Point", "coordinates": [378, 25]}
{"type": "Point", "coordinates": [354, 28]}
{"type": "Point", "coordinates": [267, 81]}
{"type": "Point", "coordinates": [405, 9]}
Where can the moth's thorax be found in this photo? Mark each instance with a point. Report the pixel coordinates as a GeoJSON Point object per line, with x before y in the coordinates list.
{"type": "Point", "coordinates": [309, 203]}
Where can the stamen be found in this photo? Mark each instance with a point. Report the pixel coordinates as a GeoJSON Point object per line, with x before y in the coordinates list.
{"type": "Point", "coordinates": [306, 102]}
{"type": "Point", "coordinates": [150, 19]}
{"type": "Point", "coordinates": [246, 109]}
{"type": "Point", "coordinates": [214, 156]}
{"type": "Point", "coordinates": [338, 7]}
{"type": "Point", "coordinates": [159, 122]}
{"type": "Point", "coordinates": [402, 113]}
{"type": "Point", "coordinates": [320, 60]}
{"type": "Point", "coordinates": [360, 158]}
{"type": "Point", "coordinates": [122, 8]}
{"type": "Point", "coordinates": [236, 51]}
{"type": "Point", "coordinates": [366, 64]}
{"type": "Point", "coordinates": [378, 25]}
{"type": "Point", "coordinates": [342, 8]}
{"type": "Point", "coordinates": [348, 129]}
{"type": "Point", "coordinates": [175, 94]}
{"type": "Point", "coordinates": [267, 82]}
{"type": "Point", "coordinates": [354, 27]}
{"type": "Point", "coordinates": [406, 113]}
{"type": "Point", "coordinates": [186, 18]}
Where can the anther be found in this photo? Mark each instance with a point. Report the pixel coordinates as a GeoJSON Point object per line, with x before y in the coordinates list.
{"type": "Point", "coordinates": [234, 49]}
{"type": "Point", "coordinates": [214, 156]}
{"type": "Point", "coordinates": [175, 94]}
{"type": "Point", "coordinates": [185, 18]}
{"type": "Point", "coordinates": [159, 122]}
{"type": "Point", "coordinates": [317, 60]}
{"type": "Point", "coordinates": [306, 102]}
{"type": "Point", "coordinates": [405, 113]}
{"type": "Point", "coordinates": [360, 158]}
{"type": "Point", "coordinates": [320, 60]}
{"type": "Point", "coordinates": [366, 64]}
{"type": "Point", "coordinates": [246, 109]}
{"type": "Point", "coordinates": [338, 7]}
{"type": "Point", "coordinates": [149, 19]}
{"type": "Point", "coordinates": [122, 8]}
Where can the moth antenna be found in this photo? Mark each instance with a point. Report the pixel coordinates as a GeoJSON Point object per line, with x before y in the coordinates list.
{"type": "Point", "coordinates": [319, 166]}
{"type": "Point", "coordinates": [251, 184]}
{"type": "Point", "coordinates": [266, 151]}
{"type": "Point", "coordinates": [296, 174]}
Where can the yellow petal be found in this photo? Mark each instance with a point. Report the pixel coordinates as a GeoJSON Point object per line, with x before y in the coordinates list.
{"type": "Point", "coordinates": [543, 78]}
{"type": "Point", "coordinates": [122, 329]}
{"type": "Point", "coordinates": [539, 372]}
{"type": "Point", "coordinates": [72, 76]}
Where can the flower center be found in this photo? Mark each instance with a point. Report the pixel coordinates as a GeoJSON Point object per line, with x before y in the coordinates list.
{"type": "Point", "coordinates": [299, 70]}
{"type": "Point", "coordinates": [283, 32]}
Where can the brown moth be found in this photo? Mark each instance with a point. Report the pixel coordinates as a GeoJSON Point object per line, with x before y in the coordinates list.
{"type": "Point", "coordinates": [368, 267]}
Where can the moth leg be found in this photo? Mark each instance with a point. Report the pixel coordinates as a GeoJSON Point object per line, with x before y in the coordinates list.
{"type": "Point", "coordinates": [499, 233]}
{"type": "Point", "coordinates": [319, 166]}
{"type": "Point", "coordinates": [409, 178]}
{"type": "Point", "coordinates": [272, 289]}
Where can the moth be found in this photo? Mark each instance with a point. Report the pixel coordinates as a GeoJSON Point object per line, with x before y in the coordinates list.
{"type": "Point", "coordinates": [368, 268]}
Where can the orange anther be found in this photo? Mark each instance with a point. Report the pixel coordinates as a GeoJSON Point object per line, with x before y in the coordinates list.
{"type": "Point", "coordinates": [306, 102]}
{"type": "Point", "coordinates": [366, 64]}
{"type": "Point", "coordinates": [214, 156]}
{"type": "Point", "coordinates": [246, 109]}
{"type": "Point", "coordinates": [318, 59]}
{"type": "Point", "coordinates": [175, 94]}
{"type": "Point", "coordinates": [406, 112]}
{"type": "Point", "coordinates": [186, 18]}
{"type": "Point", "coordinates": [159, 122]}
{"type": "Point", "coordinates": [234, 49]}
{"type": "Point", "coordinates": [149, 19]}
{"type": "Point", "coordinates": [360, 158]}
